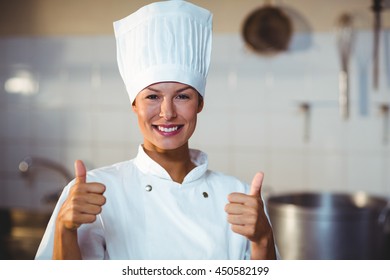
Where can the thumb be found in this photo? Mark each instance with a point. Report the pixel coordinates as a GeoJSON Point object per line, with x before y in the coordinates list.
{"type": "Point", "coordinates": [256, 184]}
{"type": "Point", "coordinates": [80, 171]}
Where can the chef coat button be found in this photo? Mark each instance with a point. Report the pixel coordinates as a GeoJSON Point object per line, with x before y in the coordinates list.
{"type": "Point", "coordinates": [148, 188]}
{"type": "Point", "coordinates": [205, 195]}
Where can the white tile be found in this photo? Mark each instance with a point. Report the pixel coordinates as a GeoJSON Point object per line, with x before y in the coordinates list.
{"type": "Point", "coordinates": [47, 125]}
{"type": "Point", "coordinates": [326, 170]}
{"type": "Point", "coordinates": [249, 161]}
{"type": "Point", "coordinates": [19, 124]}
{"type": "Point", "coordinates": [15, 153]}
{"type": "Point", "coordinates": [220, 160]}
{"type": "Point", "coordinates": [110, 154]}
{"type": "Point", "coordinates": [369, 131]}
{"type": "Point", "coordinates": [79, 125]}
{"type": "Point", "coordinates": [327, 130]}
{"type": "Point", "coordinates": [4, 124]}
{"type": "Point", "coordinates": [53, 92]}
{"type": "Point", "coordinates": [19, 194]}
{"type": "Point", "coordinates": [112, 92]}
{"type": "Point", "coordinates": [249, 130]}
{"type": "Point", "coordinates": [115, 126]}
{"type": "Point", "coordinates": [19, 50]}
{"type": "Point", "coordinates": [76, 51]}
{"type": "Point", "coordinates": [366, 172]}
{"type": "Point", "coordinates": [386, 179]}
{"type": "Point", "coordinates": [214, 129]}
{"type": "Point", "coordinates": [103, 50]}
{"type": "Point", "coordinates": [288, 171]}
{"type": "Point", "coordinates": [285, 130]}
{"type": "Point", "coordinates": [79, 150]}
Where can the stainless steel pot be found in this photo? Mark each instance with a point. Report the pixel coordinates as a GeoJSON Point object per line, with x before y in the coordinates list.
{"type": "Point", "coordinates": [330, 226]}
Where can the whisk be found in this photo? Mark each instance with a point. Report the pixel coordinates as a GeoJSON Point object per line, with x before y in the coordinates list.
{"type": "Point", "coordinates": [344, 42]}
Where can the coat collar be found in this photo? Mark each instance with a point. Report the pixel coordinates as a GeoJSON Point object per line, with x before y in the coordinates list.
{"type": "Point", "coordinates": [150, 167]}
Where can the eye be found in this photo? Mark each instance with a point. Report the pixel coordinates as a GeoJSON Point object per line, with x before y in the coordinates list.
{"type": "Point", "coordinates": [183, 96]}
{"type": "Point", "coordinates": [152, 96]}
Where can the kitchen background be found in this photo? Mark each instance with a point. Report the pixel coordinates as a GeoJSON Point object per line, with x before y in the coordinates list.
{"type": "Point", "coordinates": [61, 99]}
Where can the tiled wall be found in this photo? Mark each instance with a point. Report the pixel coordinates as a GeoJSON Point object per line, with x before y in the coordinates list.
{"type": "Point", "coordinates": [251, 121]}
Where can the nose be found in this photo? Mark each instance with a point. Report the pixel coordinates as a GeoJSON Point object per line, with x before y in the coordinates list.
{"type": "Point", "coordinates": [167, 110]}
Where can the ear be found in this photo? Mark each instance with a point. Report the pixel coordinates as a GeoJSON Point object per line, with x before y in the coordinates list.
{"type": "Point", "coordinates": [134, 107]}
{"type": "Point", "coordinates": [200, 103]}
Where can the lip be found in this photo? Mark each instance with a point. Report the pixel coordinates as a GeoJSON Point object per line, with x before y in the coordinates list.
{"type": "Point", "coordinates": [168, 130]}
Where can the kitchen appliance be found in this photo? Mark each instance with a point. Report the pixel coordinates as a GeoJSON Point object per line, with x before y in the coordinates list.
{"type": "Point", "coordinates": [326, 226]}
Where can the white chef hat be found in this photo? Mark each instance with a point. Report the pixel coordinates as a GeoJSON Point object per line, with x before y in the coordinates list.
{"type": "Point", "coordinates": [168, 41]}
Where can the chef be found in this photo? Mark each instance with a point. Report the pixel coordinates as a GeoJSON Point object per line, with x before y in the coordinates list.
{"type": "Point", "coordinates": [165, 203]}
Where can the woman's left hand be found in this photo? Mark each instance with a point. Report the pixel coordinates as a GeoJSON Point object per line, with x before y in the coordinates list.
{"type": "Point", "coordinates": [247, 217]}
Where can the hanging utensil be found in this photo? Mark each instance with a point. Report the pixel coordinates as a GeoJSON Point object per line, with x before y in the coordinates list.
{"type": "Point", "coordinates": [385, 111]}
{"type": "Point", "coordinates": [376, 8]}
{"type": "Point", "coordinates": [363, 54]}
{"type": "Point", "coordinates": [344, 43]}
{"type": "Point", "coordinates": [267, 30]}
{"type": "Point", "coordinates": [305, 109]}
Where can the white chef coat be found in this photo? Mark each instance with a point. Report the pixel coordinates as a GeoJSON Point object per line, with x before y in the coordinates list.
{"type": "Point", "coordinates": [149, 216]}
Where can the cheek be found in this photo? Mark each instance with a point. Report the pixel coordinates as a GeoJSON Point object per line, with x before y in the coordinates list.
{"type": "Point", "coordinates": [145, 113]}
{"type": "Point", "coordinates": [190, 115]}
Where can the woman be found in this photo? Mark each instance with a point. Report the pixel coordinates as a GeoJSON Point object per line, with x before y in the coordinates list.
{"type": "Point", "coordinates": [165, 203]}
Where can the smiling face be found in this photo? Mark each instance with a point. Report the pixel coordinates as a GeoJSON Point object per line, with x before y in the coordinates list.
{"type": "Point", "coordinates": [167, 115]}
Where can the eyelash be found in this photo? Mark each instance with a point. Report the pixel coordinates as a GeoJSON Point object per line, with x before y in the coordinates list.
{"type": "Point", "coordinates": [179, 96]}
{"type": "Point", "coordinates": [183, 96]}
{"type": "Point", "coordinates": [152, 96]}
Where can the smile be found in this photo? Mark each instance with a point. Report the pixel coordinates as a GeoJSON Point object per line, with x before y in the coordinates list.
{"type": "Point", "coordinates": [168, 129]}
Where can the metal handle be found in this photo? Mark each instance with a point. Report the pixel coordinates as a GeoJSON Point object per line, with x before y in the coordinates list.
{"type": "Point", "coordinates": [384, 218]}
{"type": "Point", "coordinates": [376, 8]}
{"type": "Point", "coordinates": [344, 94]}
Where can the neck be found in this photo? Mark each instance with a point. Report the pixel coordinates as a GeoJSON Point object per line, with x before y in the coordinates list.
{"type": "Point", "coordinates": [176, 162]}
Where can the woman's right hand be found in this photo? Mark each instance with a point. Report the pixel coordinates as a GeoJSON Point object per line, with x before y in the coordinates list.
{"type": "Point", "coordinates": [84, 202]}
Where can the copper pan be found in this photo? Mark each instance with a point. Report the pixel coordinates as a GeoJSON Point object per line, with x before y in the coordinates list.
{"type": "Point", "coordinates": [267, 30]}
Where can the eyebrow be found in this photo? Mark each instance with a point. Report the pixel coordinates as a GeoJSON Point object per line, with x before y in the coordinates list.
{"type": "Point", "coordinates": [179, 90]}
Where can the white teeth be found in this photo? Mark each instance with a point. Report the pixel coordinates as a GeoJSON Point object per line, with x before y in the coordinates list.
{"type": "Point", "coordinates": [168, 129]}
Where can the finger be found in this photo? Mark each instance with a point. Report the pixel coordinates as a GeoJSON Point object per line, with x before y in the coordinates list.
{"type": "Point", "coordinates": [88, 188]}
{"type": "Point", "coordinates": [80, 171]}
{"type": "Point", "coordinates": [241, 198]}
{"type": "Point", "coordinates": [257, 182]}
{"type": "Point", "coordinates": [96, 188]}
{"type": "Point", "coordinates": [91, 209]}
{"type": "Point", "coordinates": [80, 219]}
{"type": "Point", "coordinates": [243, 230]}
{"type": "Point", "coordinates": [86, 194]}
{"type": "Point", "coordinates": [239, 209]}
{"type": "Point", "coordinates": [96, 199]}
{"type": "Point", "coordinates": [242, 219]}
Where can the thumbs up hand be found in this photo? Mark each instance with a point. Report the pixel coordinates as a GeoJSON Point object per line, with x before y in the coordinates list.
{"type": "Point", "coordinates": [247, 217]}
{"type": "Point", "coordinates": [84, 202]}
